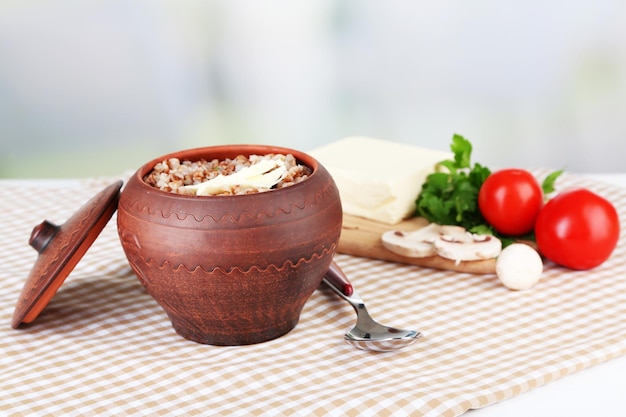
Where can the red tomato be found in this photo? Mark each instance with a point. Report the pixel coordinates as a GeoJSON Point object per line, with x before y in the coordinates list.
{"type": "Point", "coordinates": [577, 229]}
{"type": "Point", "coordinates": [510, 201]}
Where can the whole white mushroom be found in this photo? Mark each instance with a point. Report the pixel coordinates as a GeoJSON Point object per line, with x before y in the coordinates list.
{"type": "Point", "coordinates": [519, 267]}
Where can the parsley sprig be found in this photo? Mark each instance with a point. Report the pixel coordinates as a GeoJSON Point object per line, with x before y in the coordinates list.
{"type": "Point", "coordinates": [450, 194]}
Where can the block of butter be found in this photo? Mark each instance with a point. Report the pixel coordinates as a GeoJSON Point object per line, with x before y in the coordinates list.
{"type": "Point", "coordinates": [378, 179]}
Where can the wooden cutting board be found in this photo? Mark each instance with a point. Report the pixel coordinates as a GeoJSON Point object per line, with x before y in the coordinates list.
{"type": "Point", "coordinates": [362, 237]}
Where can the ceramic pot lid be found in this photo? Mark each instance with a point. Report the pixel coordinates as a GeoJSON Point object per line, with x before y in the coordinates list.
{"type": "Point", "coordinates": [60, 248]}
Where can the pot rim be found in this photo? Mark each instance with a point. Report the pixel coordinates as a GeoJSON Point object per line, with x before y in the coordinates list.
{"type": "Point", "coordinates": [194, 154]}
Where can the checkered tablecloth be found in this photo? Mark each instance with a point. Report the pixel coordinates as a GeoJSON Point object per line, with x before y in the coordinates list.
{"type": "Point", "coordinates": [103, 346]}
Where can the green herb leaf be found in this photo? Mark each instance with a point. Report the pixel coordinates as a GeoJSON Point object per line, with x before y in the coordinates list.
{"type": "Point", "coordinates": [482, 229]}
{"type": "Point", "coordinates": [548, 183]}
{"type": "Point", "coordinates": [462, 149]}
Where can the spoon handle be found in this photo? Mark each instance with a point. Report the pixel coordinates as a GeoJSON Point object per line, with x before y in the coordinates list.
{"type": "Point", "coordinates": [339, 280]}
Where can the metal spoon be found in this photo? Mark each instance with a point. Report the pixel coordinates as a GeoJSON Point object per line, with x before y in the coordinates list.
{"type": "Point", "coordinates": [367, 334]}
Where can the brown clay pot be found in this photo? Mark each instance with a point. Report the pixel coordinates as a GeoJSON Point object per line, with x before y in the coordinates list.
{"type": "Point", "coordinates": [231, 270]}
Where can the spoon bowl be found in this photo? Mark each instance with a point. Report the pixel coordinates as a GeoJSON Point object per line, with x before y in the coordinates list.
{"type": "Point", "coordinates": [367, 334]}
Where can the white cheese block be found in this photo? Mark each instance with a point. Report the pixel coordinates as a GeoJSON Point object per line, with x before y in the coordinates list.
{"type": "Point", "coordinates": [378, 179]}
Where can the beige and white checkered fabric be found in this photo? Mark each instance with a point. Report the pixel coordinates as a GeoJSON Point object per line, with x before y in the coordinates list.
{"type": "Point", "coordinates": [103, 346]}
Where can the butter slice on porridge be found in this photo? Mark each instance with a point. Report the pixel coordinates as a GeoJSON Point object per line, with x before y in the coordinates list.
{"type": "Point", "coordinates": [378, 179]}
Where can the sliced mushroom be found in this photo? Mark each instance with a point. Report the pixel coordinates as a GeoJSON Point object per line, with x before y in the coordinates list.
{"type": "Point", "coordinates": [464, 246]}
{"type": "Point", "coordinates": [414, 244]}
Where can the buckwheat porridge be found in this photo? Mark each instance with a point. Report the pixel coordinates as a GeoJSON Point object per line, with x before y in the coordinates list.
{"type": "Point", "coordinates": [240, 175]}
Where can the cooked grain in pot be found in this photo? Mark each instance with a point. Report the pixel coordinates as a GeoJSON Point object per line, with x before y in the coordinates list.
{"type": "Point", "coordinates": [172, 174]}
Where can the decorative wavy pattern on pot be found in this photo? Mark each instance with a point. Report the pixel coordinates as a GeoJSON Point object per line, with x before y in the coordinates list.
{"type": "Point", "coordinates": [319, 197]}
{"type": "Point", "coordinates": [288, 264]}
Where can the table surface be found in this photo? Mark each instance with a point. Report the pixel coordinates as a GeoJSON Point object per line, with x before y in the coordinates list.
{"type": "Point", "coordinates": [103, 345]}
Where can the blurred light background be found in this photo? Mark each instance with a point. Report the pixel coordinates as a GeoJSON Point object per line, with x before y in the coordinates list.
{"type": "Point", "coordinates": [100, 87]}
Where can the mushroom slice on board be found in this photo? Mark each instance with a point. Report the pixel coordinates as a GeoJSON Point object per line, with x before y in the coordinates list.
{"type": "Point", "coordinates": [417, 243]}
{"type": "Point", "coordinates": [465, 246]}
